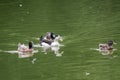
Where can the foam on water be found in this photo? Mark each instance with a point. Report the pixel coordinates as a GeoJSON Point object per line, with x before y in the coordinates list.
{"type": "Point", "coordinates": [99, 49]}
{"type": "Point", "coordinates": [33, 61]}
{"type": "Point", "coordinates": [16, 52]}
{"type": "Point", "coordinates": [20, 54]}
{"type": "Point", "coordinates": [37, 45]}
{"type": "Point", "coordinates": [87, 73]}
{"type": "Point", "coordinates": [95, 49]}
{"type": "Point", "coordinates": [11, 52]}
{"type": "Point", "coordinates": [60, 54]}
{"type": "Point", "coordinates": [20, 5]}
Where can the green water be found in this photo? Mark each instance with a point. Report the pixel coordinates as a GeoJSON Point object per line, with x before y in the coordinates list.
{"type": "Point", "coordinates": [83, 24]}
